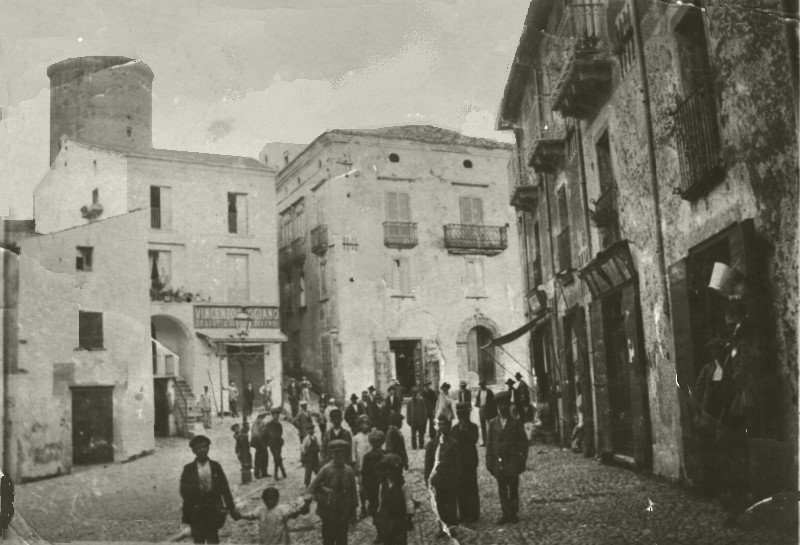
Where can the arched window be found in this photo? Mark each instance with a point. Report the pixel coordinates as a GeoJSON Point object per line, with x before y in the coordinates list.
{"type": "Point", "coordinates": [480, 361]}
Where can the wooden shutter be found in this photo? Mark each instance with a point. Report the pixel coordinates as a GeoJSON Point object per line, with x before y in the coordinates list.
{"type": "Point", "coordinates": [391, 207]}
{"type": "Point", "coordinates": [241, 214]}
{"type": "Point", "coordinates": [472, 350]}
{"type": "Point", "coordinates": [471, 211]}
{"type": "Point", "coordinates": [166, 207]}
{"type": "Point", "coordinates": [403, 207]}
{"type": "Point", "coordinates": [603, 416]}
{"type": "Point", "coordinates": [640, 414]}
{"type": "Point", "coordinates": [405, 276]}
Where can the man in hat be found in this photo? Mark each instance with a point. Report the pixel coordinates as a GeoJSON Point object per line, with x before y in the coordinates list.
{"type": "Point", "coordinates": [336, 433]}
{"type": "Point", "coordinates": [260, 442]}
{"type": "Point", "coordinates": [464, 395]}
{"type": "Point", "coordinates": [334, 489]}
{"type": "Point", "coordinates": [372, 392]}
{"type": "Point", "coordinates": [233, 398]}
{"type": "Point", "coordinates": [205, 404]}
{"type": "Point", "coordinates": [361, 448]}
{"type": "Point", "coordinates": [305, 390]}
{"type": "Point", "coordinates": [275, 441]}
{"type": "Point", "coordinates": [430, 398]}
{"type": "Point", "coordinates": [367, 405]}
{"type": "Point", "coordinates": [380, 417]}
{"type": "Point", "coordinates": [301, 420]}
{"type": "Point", "coordinates": [487, 410]}
{"type": "Point", "coordinates": [293, 393]}
{"type": "Point", "coordinates": [506, 455]}
{"type": "Point", "coordinates": [395, 513]}
{"type": "Point", "coordinates": [444, 405]}
{"type": "Point", "coordinates": [309, 454]}
{"type": "Point", "coordinates": [249, 395]}
{"type": "Point", "coordinates": [266, 391]}
{"type": "Point", "coordinates": [352, 412]}
{"type": "Point", "coordinates": [442, 460]}
{"type": "Point", "coordinates": [204, 489]}
{"type": "Point", "coordinates": [523, 398]}
{"type": "Point", "coordinates": [417, 418]}
{"type": "Point", "coordinates": [395, 442]}
{"type": "Point", "coordinates": [466, 435]}
{"type": "Point", "coordinates": [393, 401]}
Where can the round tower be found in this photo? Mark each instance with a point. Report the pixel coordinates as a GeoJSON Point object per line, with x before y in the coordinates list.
{"type": "Point", "coordinates": [102, 100]}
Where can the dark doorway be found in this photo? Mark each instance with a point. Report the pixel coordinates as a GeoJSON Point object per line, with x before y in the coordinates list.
{"type": "Point", "coordinates": [480, 361]}
{"type": "Point", "coordinates": [92, 425]}
{"type": "Point", "coordinates": [617, 375]}
{"type": "Point", "coordinates": [407, 362]}
{"type": "Point", "coordinates": [162, 408]}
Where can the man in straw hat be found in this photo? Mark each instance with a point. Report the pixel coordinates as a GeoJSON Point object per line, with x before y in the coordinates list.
{"type": "Point", "coordinates": [506, 455]}
{"type": "Point", "coordinates": [204, 489]}
{"type": "Point", "coordinates": [334, 489]}
{"type": "Point", "coordinates": [465, 434]}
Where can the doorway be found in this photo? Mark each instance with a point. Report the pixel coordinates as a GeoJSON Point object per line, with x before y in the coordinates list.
{"type": "Point", "coordinates": [480, 361]}
{"type": "Point", "coordinates": [162, 408]}
{"type": "Point", "coordinates": [92, 425]}
{"type": "Point", "coordinates": [617, 375]}
{"type": "Point", "coordinates": [407, 362]}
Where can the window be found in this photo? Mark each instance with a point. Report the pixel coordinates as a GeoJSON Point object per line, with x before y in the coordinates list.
{"type": "Point", "coordinates": [471, 210]}
{"type": "Point", "coordinates": [302, 290]}
{"type": "Point", "coordinates": [160, 269]}
{"type": "Point", "coordinates": [398, 207]}
{"type": "Point", "coordinates": [287, 228]}
{"type": "Point", "coordinates": [237, 213]}
{"type": "Point", "coordinates": [238, 278]}
{"type": "Point", "coordinates": [474, 277]}
{"type": "Point", "coordinates": [394, 158]}
{"type": "Point", "coordinates": [83, 259]}
{"type": "Point", "coordinates": [323, 281]}
{"type": "Point", "coordinates": [95, 193]}
{"type": "Point", "coordinates": [401, 275]}
{"type": "Point", "coordinates": [299, 220]}
{"type": "Point", "coordinates": [90, 330]}
{"type": "Point", "coordinates": [692, 51]}
{"type": "Point", "coordinates": [160, 210]}
{"type": "Point", "coordinates": [324, 316]}
{"type": "Point", "coordinates": [563, 214]}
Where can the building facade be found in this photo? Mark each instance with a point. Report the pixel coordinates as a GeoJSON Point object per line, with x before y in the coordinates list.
{"type": "Point", "coordinates": [398, 260]}
{"type": "Point", "coordinates": [665, 177]}
{"type": "Point", "coordinates": [174, 242]}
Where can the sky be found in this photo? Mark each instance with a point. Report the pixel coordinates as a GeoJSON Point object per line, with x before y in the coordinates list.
{"type": "Point", "coordinates": [232, 75]}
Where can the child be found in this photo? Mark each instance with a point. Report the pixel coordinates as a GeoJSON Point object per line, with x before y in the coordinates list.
{"type": "Point", "coordinates": [395, 442]}
{"type": "Point", "coordinates": [393, 519]}
{"type": "Point", "coordinates": [309, 454]}
{"type": "Point", "coordinates": [273, 518]}
{"type": "Point", "coordinates": [275, 441]}
{"type": "Point", "coordinates": [361, 447]}
{"type": "Point", "coordinates": [371, 471]}
{"type": "Point", "coordinates": [242, 445]}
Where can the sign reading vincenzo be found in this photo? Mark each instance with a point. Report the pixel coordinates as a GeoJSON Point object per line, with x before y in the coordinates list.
{"type": "Point", "coordinates": [221, 316]}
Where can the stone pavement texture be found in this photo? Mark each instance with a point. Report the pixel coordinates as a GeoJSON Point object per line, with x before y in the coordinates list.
{"type": "Point", "coordinates": [565, 499]}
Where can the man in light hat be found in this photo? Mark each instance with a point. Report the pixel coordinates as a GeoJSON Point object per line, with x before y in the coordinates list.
{"type": "Point", "coordinates": [305, 390]}
{"type": "Point", "coordinates": [336, 433]}
{"type": "Point", "coordinates": [465, 434]}
{"type": "Point", "coordinates": [334, 489]}
{"type": "Point", "coordinates": [464, 395]}
{"type": "Point", "coordinates": [204, 489]}
{"type": "Point", "coordinates": [205, 404]}
{"type": "Point", "coordinates": [523, 398]}
{"type": "Point", "coordinates": [487, 410]}
{"type": "Point", "coordinates": [444, 406]}
{"type": "Point", "coordinates": [506, 455]}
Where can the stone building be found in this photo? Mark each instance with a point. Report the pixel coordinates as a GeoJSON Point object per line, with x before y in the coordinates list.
{"type": "Point", "coordinates": [171, 243]}
{"type": "Point", "coordinates": [398, 260]}
{"type": "Point", "coordinates": [658, 181]}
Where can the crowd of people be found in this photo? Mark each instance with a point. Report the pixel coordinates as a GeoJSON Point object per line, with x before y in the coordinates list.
{"type": "Point", "coordinates": [360, 472]}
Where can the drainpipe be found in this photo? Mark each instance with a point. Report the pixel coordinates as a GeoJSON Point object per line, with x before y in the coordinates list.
{"type": "Point", "coordinates": [790, 25]}
{"type": "Point", "coordinates": [651, 155]}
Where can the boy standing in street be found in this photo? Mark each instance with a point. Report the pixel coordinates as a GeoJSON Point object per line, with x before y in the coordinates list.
{"type": "Point", "coordinates": [396, 508]}
{"type": "Point", "coordinates": [334, 489]}
{"type": "Point", "coordinates": [309, 454]}
{"type": "Point", "coordinates": [361, 447]}
{"type": "Point", "coordinates": [337, 432]}
{"type": "Point", "coordinates": [506, 455]}
{"type": "Point", "coordinates": [466, 435]}
{"type": "Point", "coordinates": [273, 518]}
{"type": "Point", "coordinates": [370, 471]}
{"type": "Point", "coordinates": [395, 442]}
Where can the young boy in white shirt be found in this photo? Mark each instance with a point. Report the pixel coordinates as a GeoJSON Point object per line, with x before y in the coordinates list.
{"type": "Point", "coordinates": [273, 518]}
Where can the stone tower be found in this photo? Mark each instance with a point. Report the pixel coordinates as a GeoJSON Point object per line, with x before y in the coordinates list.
{"type": "Point", "coordinates": [104, 100]}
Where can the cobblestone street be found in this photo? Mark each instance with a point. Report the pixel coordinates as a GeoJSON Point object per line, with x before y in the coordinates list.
{"type": "Point", "coordinates": [565, 498]}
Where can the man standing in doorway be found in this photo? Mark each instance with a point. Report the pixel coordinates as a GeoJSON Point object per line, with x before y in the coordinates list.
{"type": "Point", "coordinates": [487, 410]}
{"type": "Point", "coordinates": [249, 397]}
{"type": "Point", "coordinates": [506, 455]}
{"type": "Point", "coordinates": [205, 405]}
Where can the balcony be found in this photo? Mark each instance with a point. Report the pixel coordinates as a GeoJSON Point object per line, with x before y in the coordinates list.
{"type": "Point", "coordinates": [564, 244]}
{"type": "Point", "coordinates": [545, 135]}
{"type": "Point", "coordinates": [292, 253]}
{"type": "Point", "coordinates": [605, 216]}
{"type": "Point", "coordinates": [475, 239]}
{"type": "Point", "coordinates": [319, 239]}
{"type": "Point", "coordinates": [524, 195]}
{"type": "Point", "coordinates": [399, 234]}
{"type": "Point", "coordinates": [697, 136]}
{"type": "Point", "coordinates": [580, 61]}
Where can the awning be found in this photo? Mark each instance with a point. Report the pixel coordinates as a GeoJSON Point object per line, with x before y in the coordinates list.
{"type": "Point", "coordinates": [229, 336]}
{"type": "Point", "coordinates": [517, 333]}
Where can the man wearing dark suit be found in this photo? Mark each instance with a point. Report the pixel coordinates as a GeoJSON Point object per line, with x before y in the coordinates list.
{"type": "Point", "coordinates": [205, 490]}
{"type": "Point", "coordinates": [352, 412]}
{"type": "Point", "coordinates": [368, 406]}
{"type": "Point", "coordinates": [393, 401]}
{"type": "Point", "coordinates": [464, 395]}
{"type": "Point", "coordinates": [506, 455]}
{"type": "Point", "coordinates": [487, 410]}
{"type": "Point", "coordinates": [466, 435]}
{"type": "Point", "coordinates": [523, 398]}
{"type": "Point", "coordinates": [431, 397]}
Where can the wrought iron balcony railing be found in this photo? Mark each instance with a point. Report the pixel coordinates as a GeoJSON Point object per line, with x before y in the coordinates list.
{"type": "Point", "coordinates": [399, 234]}
{"type": "Point", "coordinates": [697, 136]}
{"type": "Point", "coordinates": [461, 238]}
{"type": "Point", "coordinates": [564, 243]}
{"type": "Point", "coordinates": [545, 134]}
{"type": "Point", "coordinates": [319, 239]}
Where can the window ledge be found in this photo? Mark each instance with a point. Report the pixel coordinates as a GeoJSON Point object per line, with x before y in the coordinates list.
{"type": "Point", "coordinates": [80, 348]}
{"type": "Point", "coordinates": [324, 299]}
{"type": "Point", "coordinates": [477, 296]}
{"type": "Point", "coordinates": [403, 296]}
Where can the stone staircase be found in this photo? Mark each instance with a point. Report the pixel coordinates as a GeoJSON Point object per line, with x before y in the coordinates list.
{"type": "Point", "coordinates": [187, 415]}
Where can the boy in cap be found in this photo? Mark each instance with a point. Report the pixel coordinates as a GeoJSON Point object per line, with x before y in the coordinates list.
{"type": "Point", "coordinates": [273, 517]}
{"type": "Point", "coordinates": [395, 442]}
{"type": "Point", "coordinates": [334, 489]}
{"type": "Point", "coordinates": [394, 517]}
{"type": "Point", "coordinates": [371, 471]}
{"type": "Point", "coordinates": [352, 412]}
{"type": "Point", "coordinates": [506, 455]}
{"type": "Point", "coordinates": [336, 432]}
{"type": "Point", "coordinates": [361, 447]}
{"type": "Point", "coordinates": [466, 435]}
{"type": "Point", "coordinates": [275, 441]}
{"type": "Point", "coordinates": [309, 454]}
{"type": "Point", "coordinates": [204, 490]}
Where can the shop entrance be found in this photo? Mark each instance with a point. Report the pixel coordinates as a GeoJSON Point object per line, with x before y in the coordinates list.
{"type": "Point", "coordinates": [407, 363]}
{"type": "Point", "coordinates": [92, 425]}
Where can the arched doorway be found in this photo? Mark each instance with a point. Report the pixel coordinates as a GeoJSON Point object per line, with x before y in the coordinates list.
{"type": "Point", "coordinates": [481, 361]}
{"type": "Point", "coordinates": [172, 368]}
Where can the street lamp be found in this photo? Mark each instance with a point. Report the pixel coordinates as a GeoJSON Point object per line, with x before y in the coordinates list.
{"type": "Point", "coordinates": [242, 321]}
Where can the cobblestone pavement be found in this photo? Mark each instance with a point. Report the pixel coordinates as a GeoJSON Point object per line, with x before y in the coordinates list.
{"type": "Point", "coordinates": [565, 499]}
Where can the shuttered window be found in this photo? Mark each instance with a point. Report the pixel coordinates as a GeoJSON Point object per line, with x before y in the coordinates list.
{"type": "Point", "coordinates": [471, 210]}
{"type": "Point", "coordinates": [238, 278]}
{"type": "Point", "coordinates": [398, 207]}
{"type": "Point", "coordinates": [400, 278]}
{"type": "Point", "coordinates": [90, 330]}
